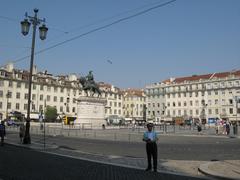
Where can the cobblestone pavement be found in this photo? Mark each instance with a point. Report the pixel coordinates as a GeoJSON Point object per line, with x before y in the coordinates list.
{"type": "Point", "coordinates": [24, 164]}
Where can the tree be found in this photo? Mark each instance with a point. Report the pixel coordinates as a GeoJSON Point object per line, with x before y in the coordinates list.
{"type": "Point", "coordinates": [50, 114]}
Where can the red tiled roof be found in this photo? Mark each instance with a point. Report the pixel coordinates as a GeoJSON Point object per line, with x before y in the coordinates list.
{"type": "Point", "coordinates": [204, 76]}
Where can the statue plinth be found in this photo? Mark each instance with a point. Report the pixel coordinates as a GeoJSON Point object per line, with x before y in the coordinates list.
{"type": "Point", "coordinates": [91, 111]}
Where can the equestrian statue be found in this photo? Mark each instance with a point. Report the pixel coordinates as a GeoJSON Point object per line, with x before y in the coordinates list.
{"type": "Point", "coordinates": [89, 86]}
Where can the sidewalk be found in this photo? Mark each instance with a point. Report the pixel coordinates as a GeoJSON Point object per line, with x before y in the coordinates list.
{"type": "Point", "coordinates": [217, 169]}
{"type": "Point", "coordinates": [222, 169]}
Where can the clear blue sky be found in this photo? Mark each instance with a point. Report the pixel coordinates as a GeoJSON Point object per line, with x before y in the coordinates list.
{"type": "Point", "coordinates": [184, 38]}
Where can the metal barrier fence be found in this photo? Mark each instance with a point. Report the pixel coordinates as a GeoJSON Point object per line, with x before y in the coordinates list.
{"type": "Point", "coordinates": [114, 133]}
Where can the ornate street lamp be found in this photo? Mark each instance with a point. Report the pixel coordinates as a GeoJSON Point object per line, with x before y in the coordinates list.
{"type": "Point", "coordinates": [25, 26]}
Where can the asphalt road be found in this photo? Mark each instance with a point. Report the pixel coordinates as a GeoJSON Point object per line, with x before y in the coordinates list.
{"type": "Point", "coordinates": [169, 147]}
{"type": "Point", "coordinates": [18, 163]}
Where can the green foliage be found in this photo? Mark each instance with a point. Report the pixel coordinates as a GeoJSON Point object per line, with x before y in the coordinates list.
{"type": "Point", "coordinates": [50, 114]}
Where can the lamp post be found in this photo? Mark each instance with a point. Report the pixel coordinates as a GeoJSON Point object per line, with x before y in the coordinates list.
{"type": "Point", "coordinates": [25, 26]}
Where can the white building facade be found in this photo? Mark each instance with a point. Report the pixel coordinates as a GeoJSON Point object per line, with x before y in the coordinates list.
{"type": "Point", "coordinates": [203, 97]}
{"type": "Point", "coordinates": [48, 90]}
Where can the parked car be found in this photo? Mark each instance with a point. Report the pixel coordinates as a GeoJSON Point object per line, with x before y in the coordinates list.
{"type": "Point", "coordinates": [11, 122]}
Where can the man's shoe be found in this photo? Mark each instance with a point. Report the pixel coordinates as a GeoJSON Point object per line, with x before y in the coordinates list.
{"type": "Point", "coordinates": [148, 169]}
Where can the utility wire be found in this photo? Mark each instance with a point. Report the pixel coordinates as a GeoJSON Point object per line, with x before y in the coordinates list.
{"type": "Point", "coordinates": [98, 29]}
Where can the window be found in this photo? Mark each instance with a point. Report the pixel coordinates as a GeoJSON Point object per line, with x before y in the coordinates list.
{"type": "Point", "coordinates": [185, 103]}
{"type": "Point", "coordinates": [197, 112]}
{"type": "Point", "coordinates": [209, 93]}
{"type": "Point", "coordinates": [9, 105]}
{"type": "Point", "coordinates": [185, 112]}
{"type": "Point", "coordinates": [174, 112]}
{"type": "Point", "coordinates": [174, 104]}
{"type": "Point", "coordinates": [33, 107]}
{"type": "Point", "coordinates": [41, 97]}
{"type": "Point", "coordinates": [26, 96]}
{"type": "Point", "coordinates": [179, 112]}
{"type": "Point", "coordinates": [231, 110]}
{"type": "Point", "coordinates": [48, 88]}
{"type": "Point", "coordinates": [209, 111]}
{"type": "Point", "coordinates": [238, 110]}
{"type": "Point", "coordinates": [216, 92]}
{"type": "Point", "coordinates": [41, 87]}
{"type": "Point", "coordinates": [224, 111]}
{"type": "Point", "coordinates": [55, 98]}
{"type": "Point", "coordinates": [1, 83]}
{"type": "Point", "coordinates": [196, 103]}
{"type": "Point", "coordinates": [216, 111]}
{"type": "Point", "coordinates": [119, 104]}
{"type": "Point", "coordinates": [216, 101]}
{"type": "Point", "coordinates": [191, 103]}
{"type": "Point", "coordinates": [179, 104]}
{"type": "Point", "coordinates": [196, 94]}
{"type": "Point", "coordinates": [48, 98]}
{"type": "Point", "coordinates": [10, 84]}
{"type": "Point", "coordinates": [33, 96]}
{"type": "Point", "coordinates": [40, 108]}
{"type": "Point", "coordinates": [9, 94]}
{"type": "Point", "coordinates": [1, 93]}
{"type": "Point", "coordinates": [61, 109]}
{"type": "Point", "coordinates": [191, 112]}
{"type": "Point", "coordinates": [0, 105]}
{"type": "Point", "coordinates": [230, 101]}
{"type": "Point", "coordinates": [61, 99]}
{"type": "Point", "coordinates": [209, 102]}
{"type": "Point", "coordinates": [34, 87]}
{"type": "Point", "coordinates": [25, 107]}
{"type": "Point", "coordinates": [26, 85]}
{"type": "Point", "coordinates": [73, 109]}
{"type": "Point", "coordinates": [55, 89]}
{"type": "Point", "coordinates": [19, 84]}
{"type": "Point", "coordinates": [223, 101]}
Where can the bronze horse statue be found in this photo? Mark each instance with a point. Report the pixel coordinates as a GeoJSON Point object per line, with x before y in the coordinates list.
{"type": "Point", "coordinates": [89, 87]}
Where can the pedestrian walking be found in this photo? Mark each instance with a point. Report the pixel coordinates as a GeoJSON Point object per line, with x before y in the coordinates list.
{"type": "Point", "coordinates": [2, 132]}
{"type": "Point", "coordinates": [217, 128]}
{"type": "Point", "coordinates": [21, 132]}
{"type": "Point", "coordinates": [199, 128]}
{"type": "Point", "coordinates": [150, 137]}
{"type": "Point", "coordinates": [227, 128]}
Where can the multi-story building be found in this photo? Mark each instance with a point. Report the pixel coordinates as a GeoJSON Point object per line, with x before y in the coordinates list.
{"type": "Point", "coordinates": [202, 97]}
{"type": "Point", "coordinates": [134, 105]}
{"type": "Point", "coordinates": [114, 98]}
{"type": "Point", "coordinates": [48, 90]}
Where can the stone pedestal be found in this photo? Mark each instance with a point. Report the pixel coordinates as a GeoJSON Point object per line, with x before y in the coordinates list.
{"type": "Point", "coordinates": [91, 112]}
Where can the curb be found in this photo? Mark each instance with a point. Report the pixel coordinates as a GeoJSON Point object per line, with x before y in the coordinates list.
{"type": "Point", "coordinates": [204, 168]}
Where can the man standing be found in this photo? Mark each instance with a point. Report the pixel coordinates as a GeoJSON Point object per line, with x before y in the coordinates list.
{"type": "Point", "coordinates": [2, 132]}
{"type": "Point", "coordinates": [150, 137]}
